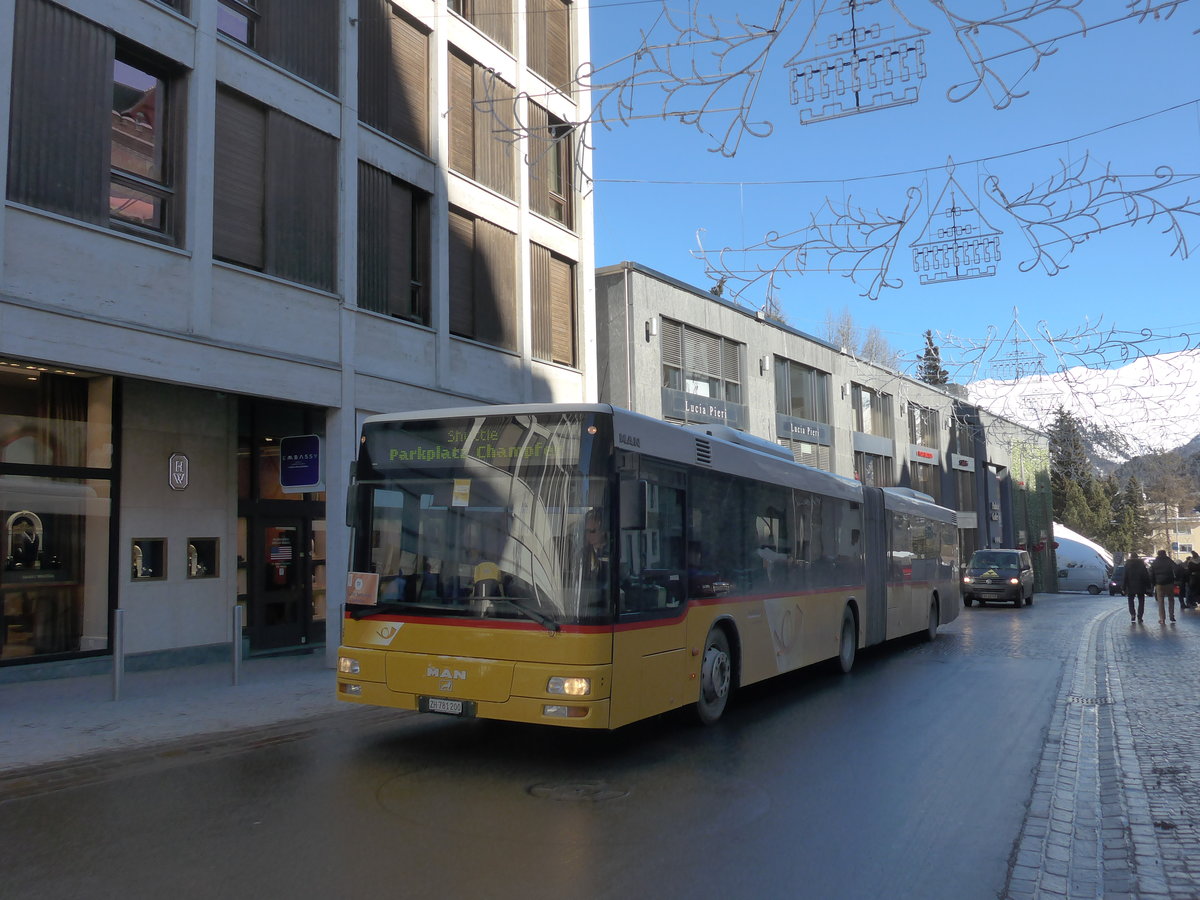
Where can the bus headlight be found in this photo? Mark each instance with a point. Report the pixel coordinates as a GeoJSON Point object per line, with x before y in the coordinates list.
{"type": "Point", "coordinates": [572, 687]}
{"type": "Point", "coordinates": [347, 666]}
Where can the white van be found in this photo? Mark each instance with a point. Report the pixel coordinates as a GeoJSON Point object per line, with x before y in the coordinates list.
{"type": "Point", "coordinates": [1084, 576]}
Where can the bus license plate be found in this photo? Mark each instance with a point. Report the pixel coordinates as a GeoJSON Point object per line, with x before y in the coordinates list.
{"type": "Point", "coordinates": [447, 706]}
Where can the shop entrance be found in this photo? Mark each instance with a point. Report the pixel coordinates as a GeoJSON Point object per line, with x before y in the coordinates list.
{"type": "Point", "coordinates": [281, 533]}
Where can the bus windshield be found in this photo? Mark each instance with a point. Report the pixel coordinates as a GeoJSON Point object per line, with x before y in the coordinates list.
{"type": "Point", "coordinates": [502, 517]}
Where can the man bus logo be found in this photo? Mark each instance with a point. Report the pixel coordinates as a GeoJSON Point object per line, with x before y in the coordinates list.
{"type": "Point", "coordinates": [177, 471]}
{"type": "Point", "coordinates": [448, 676]}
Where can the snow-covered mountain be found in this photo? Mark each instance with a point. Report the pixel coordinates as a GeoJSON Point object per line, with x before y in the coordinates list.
{"type": "Point", "coordinates": [1150, 404]}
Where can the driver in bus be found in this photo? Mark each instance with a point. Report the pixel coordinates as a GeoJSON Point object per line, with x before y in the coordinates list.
{"type": "Point", "coordinates": [595, 536]}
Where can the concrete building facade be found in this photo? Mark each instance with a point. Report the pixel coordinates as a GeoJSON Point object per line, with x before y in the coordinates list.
{"type": "Point", "coordinates": [671, 350]}
{"type": "Point", "coordinates": [230, 231]}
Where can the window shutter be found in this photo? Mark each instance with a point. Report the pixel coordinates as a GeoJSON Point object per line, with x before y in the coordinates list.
{"type": "Point", "coordinates": [539, 152]}
{"type": "Point", "coordinates": [239, 186]}
{"type": "Point", "coordinates": [400, 250]}
{"type": "Point", "coordinates": [731, 361]}
{"type": "Point", "coordinates": [301, 217]}
{"type": "Point", "coordinates": [562, 306]}
{"type": "Point", "coordinates": [58, 152]}
{"type": "Point", "coordinates": [495, 285]}
{"type": "Point", "coordinates": [558, 43]}
{"type": "Point", "coordinates": [494, 131]}
{"type": "Point", "coordinates": [408, 83]}
{"type": "Point", "coordinates": [702, 352]}
{"type": "Point", "coordinates": [462, 274]}
{"type": "Point", "coordinates": [462, 116]}
{"type": "Point", "coordinates": [302, 37]}
{"type": "Point", "coordinates": [541, 301]}
{"type": "Point", "coordinates": [372, 238]}
{"type": "Point", "coordinates": [495, 19]}
{"type": "Point", "coordinates": [672, 344]}
{"type": "Point", "coordinates": [374, 62]}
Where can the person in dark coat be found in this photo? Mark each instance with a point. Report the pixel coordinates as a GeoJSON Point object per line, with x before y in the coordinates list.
{"type": "Point", "coordinates": [1193, 570]}
{"type": "Point", "coordinates": [1162, 572]}
{"type": "Point", "coordinates": [1181, 584]}
{"type": "Point", "coordinates": [1136, 581]}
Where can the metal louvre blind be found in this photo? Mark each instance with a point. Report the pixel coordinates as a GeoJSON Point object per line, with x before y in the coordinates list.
{"type": "Point", "coordinates": [372, 238]}
{"type": "Point", "coordinates": [562, 310]}
{"type": "Point", "coordinates": [495, 19]}
{"type": "Point", "coordinates": [494, 128]}
{"type": "Point", "coordinates": [731, 358]}
{"type": "Point", "coordinates": [462, 274]}
{"type": "Point", "coordinates": [702, 352]}
{"type": "Point", "coordinates": [408, 83]}
{"type": "Point", "coordinates": [239, 184]}
{"type": "Point", "coordinates": [815, 455]}
{"type": "Point", "coordinates": [374, 62]}
{"type": "Point", "coordinates": [301, 36]}
{"type": "Point", "coordinates": [301, 233]}
{"type": "Point", "coordinates": [672, 344]}
{"type": "Point", "coordinates": [462, 116]}
{"type": "Point", "coordinates": [400, 250]}
{"type": "Point", "coordinates": [548, 35]}
{"type": "Point", "coordinates": [539, 159]}
{"type": "Point", "coordinates": [61, 102]}
{"type": "Point", "coordinates": [540, 303]}
{"type": "Point", "coordinates": [495, 285]}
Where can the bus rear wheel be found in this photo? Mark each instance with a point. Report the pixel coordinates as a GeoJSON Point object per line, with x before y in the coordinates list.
{"type": "Point", "coordinates": [848, 644]}
{"type": "Point", "coordinates": [716, 677]}
{"type": "Point", "coordinates": [932, 627]}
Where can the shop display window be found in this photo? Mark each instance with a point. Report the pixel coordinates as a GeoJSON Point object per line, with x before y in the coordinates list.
{"type": "Point", "coordinates": [203, 557]}
{"type": "Point", "coordinates": [149, 559]}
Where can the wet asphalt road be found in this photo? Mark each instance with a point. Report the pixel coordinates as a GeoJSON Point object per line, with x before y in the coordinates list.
{"type": "Point", "coordinates": [908, 778]}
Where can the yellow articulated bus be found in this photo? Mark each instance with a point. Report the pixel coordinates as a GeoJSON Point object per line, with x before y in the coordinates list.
{"type": "Point", "coordinates": [585, 566]}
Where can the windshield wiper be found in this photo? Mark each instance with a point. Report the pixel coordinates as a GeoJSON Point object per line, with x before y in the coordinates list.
{"type": "Point", "coordinates": [537, 615]}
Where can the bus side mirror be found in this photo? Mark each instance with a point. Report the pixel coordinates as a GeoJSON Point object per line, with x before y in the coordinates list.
{"type": "Point", "coordinates": [634, 496]}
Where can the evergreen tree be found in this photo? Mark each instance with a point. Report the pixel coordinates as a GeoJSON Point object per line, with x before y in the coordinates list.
{"type": "Point", "coordinates": [1130, 525]}
{"type": "Point", "coordinates": [1098, 520]}
{"type": "Point", "coordinates": [1075, 512]}
{"type": "Point", "coordinates": [929, 364]}
{"type": "Point", "coordinates": [1069, 463]}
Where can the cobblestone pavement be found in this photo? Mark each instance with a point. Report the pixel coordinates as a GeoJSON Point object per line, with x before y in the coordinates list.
{"type": "Point", "coordinates": [1115, 808]}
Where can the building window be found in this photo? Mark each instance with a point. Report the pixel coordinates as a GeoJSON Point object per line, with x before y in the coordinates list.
{"type": "Point", "coordinates": [482, 124]}
{"type": "Point", "coordinates": [873, 470]}
{"type": "Point", "coordinates": [56, 498]}
{"type": "Point", "coordinates": [926, 478]}
{"type": "Point", "coordinates": [700, 363]}
{"type": "Point", "coordinates": [872, 411]}
{"type": "Point", "coordinates": [275, 193]}
{"type": "Point", "coordinates": [483, 278]}
{"type": "Point", "coordinates": [393, 74]}
{"type": "Point", "coordinates": [299, 35]}
{"type": "Point", "coordinates": [801, 391]}
{"type": "Point", "coordinates": [551, 165]}
{"type": "Point", "coordinates": [553, 306]}
{"type": "Point", "coordinates": [548, 36]}
{"type": "Point", "coordinates": [923, 426]}
{"type": "Point", "coordinates": [962, 437]}
{"type": "Point", "coordinates": [493, 17]}
{"type": "Point", "coordinates": [94, 124]}
{"type": "Point", "coordinates": [966, 490]}
{"type": "Point", "coordinates": [393, 246]}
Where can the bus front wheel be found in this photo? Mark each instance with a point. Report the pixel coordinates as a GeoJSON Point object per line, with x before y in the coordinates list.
{"type": "Point", "coordinates": [716, 677]}
{"type": "Point", "coordinates": [848, 645]}
{"type": "Point", "coordinates": [932, 627]}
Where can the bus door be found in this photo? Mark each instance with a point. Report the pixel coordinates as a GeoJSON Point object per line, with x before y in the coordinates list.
{"type": "Point", "coordinates": [876, 562]}
{"type": "Point", "coordinates": [900, 575]}
{"type": "Point", "coordinates": [649, 644]}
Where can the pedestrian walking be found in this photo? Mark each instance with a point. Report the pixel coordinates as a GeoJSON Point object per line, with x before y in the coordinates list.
{"type": "Point", "coordinates": [1193, 568]}
{"type": "Point", "coordinates": [1136, 581]}
{"type": "Point", "coordinates": [1181, 583]}
{"type": "Point", "coordinates": [1162, 572]}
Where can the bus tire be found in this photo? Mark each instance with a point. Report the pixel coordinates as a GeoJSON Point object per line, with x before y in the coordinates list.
{"type": "Point", "coordinates": [848, 641]}
{"type": "Point", "coordinates": [716, 677]}
{"type": "Point", "coordinates": [932, 627]}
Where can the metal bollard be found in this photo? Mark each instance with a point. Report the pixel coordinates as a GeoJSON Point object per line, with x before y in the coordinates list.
{"type": "Point", "coordinates": [118, 670]}
{"type": "Point", "coordinates": [236, 633]}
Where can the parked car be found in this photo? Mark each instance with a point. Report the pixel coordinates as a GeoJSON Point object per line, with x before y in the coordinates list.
{"type": "Point", "coordinates": [1115, 581]}
{"type": "Point", "coordinates": [993, 575]}
{"type": "Point", "coordinates": [1078, 576]}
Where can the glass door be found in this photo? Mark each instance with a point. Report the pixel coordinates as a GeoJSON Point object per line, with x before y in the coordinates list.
{"type": "Point", "coordinates": [280, 585]}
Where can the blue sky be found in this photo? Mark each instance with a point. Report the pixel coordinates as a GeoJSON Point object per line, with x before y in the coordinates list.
{"type": "Point", "coordinates": [1124, 277]}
